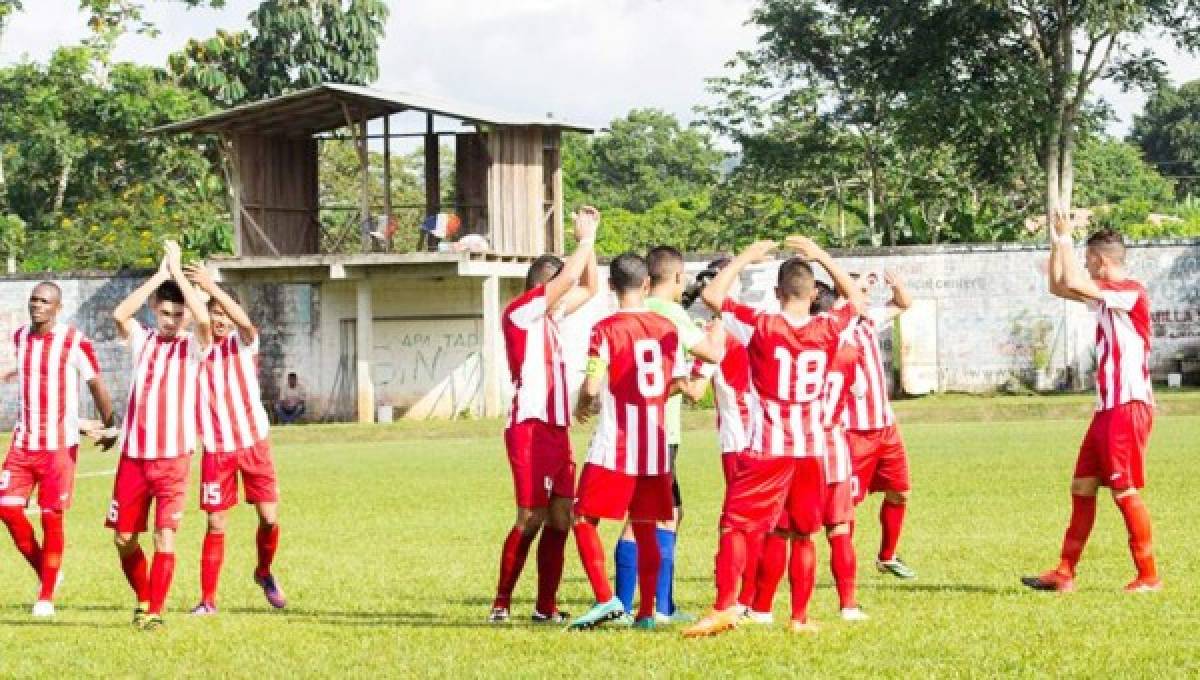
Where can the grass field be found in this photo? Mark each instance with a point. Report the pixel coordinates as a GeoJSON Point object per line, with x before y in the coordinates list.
{"type": "Point", "coordinates": [390, 539]}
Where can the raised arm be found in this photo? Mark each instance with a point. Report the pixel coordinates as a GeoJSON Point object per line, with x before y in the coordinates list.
{"type": "Point", "coordinates": [712, 348]}
{"type": "Point", "coordinates": [123, 314]}
{"type": "Point", "coordinates": [717, 290]}
{"type": "Point", "coordinates": [190, 297]}
{"type": "Point", "coordinates": [901, 298]}
{"type": "Point", "coordinates": [1066, 279]}
{"type": "Point", "coordinates": [589, 285]}
{"type": "Point", "coordinates": [201, 278]}
{"type": "Point", "coordinates": [842, 283]}
{"type": "Point", "coordinates": [587, 220]}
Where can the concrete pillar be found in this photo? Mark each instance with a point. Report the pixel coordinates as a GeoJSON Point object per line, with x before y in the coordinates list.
{"type": "Point", "coordinates": [364, 345]}
{"type": "Point", "coordinates": [491, 349]}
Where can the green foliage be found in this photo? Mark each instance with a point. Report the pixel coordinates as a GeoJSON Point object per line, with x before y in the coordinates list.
{"type": "Point", "coordinates": [1168, 131]}
{"type": "Point", "coordinates": [292, 44]}
{"type": "Point", "coordinates": [1108, 171]}
{"type": "Point", "coordinates": [682, 224]}
{"type": "Point", "coordinates": [12, 235]}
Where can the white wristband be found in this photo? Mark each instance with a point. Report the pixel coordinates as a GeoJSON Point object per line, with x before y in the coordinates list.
{"type": "Point", "coordinates": [589, 242]}
{"type": "Point", "coordinates": [1065, 241]}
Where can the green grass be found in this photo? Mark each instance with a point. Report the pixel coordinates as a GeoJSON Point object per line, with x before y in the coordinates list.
{"type": "Point", "coordinates": [389, 557]}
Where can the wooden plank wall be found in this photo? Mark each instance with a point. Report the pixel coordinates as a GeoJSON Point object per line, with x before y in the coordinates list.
{"type": "Point", "coordinates": [471, 181]}
{"type": "Point", "coordinates": [516, 191]}
{"type": "Point", "coordinates": [279, 193]}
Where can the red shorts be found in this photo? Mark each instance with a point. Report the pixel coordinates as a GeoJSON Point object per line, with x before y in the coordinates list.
{"type": "Point", "coordinates": [139, 482]}
{"type": "Point", "coordinates": [839, 503]}
{"type": "Point", "coordinates": [775, 492]}
{"type": "Point", "coordinates": [730, 462]}
{"type": "Point", "coordinates": [219, 473]}
{"type": "Point", "coordinates": [1114, 448]}
{"type": "Point", "coordinates": [52, 471]}
{"type": "Point", "coordinates": [880, 461]}
{"type": "Point", "coordinates": [607, 494]}
{"type": "Point", "coordinates": [542, 462]}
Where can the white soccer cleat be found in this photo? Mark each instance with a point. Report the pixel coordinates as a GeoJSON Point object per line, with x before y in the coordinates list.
{"type": "Point", "coordinates": [758, 618]}
{"type": "Point", "coordinates": [854, 614]}
{"type": "Point", "coordinates": [43, 609]}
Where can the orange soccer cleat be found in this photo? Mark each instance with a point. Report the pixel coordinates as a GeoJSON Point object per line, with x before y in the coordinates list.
{"type": "Point", "coordinates": [714, 623]}
{"type": "Point", "coordinates": [1052, 580]}
{"type": "Point", "coordinates": [1144, 585]}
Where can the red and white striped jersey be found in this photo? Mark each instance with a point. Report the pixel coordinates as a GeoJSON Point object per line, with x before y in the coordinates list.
{"type": "Point", "coordinates": [232, 416]}
{"type": "Point", "coordinates": [871, 408]}
{"type": "Point", "coordinates": [838, 464]}
{"type": "Point", "coordinates": [1122, 344]}
{"type": "Point", "coordinates": [535, 361]}
{"type": "Point", "coordinates": [733, 395]}
{"type": "Point", "coordinates": [643, 354]}
{"type": "Point", "coordinates": [162, 410]}
{"type": "Point", "coordinates": [788, 361]}
{"type": "Point", "coordinates": [50, 369]}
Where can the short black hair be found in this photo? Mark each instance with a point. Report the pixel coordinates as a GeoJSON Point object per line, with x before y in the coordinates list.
{"type": "Point", "coordinates": [662, 262]}
{"type": "Point", "coordinates": [544, 268]}
{"type": "Point", "coordinates": [1108, 242]}
{"type": "Point", "coordinates": [696, 287]}
{"type": "Point", "coordinates": [626, 272]}
{"type": "Point", "coordinates": [826, 298]}
{"type": "Point", "coordinates": [49, 284]}
{"type": "Point", "coordinates": [795, 278]}
{"type": "Point", "coordinates": [169, 291]}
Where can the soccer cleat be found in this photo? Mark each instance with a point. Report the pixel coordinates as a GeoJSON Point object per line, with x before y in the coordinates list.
{"type": "Point", "coordinates": [714, 623]}
{"type": "Point", "coordinates": [1054, 581]}
{"type": "Point", "coordinates": [672, 619]}
{"type": "Point", "coordinates": [1144, 585]}
{"type": "Point", "coordinates": [600, 613]}
{"type": "Point", "coordinates": [558, 616]}
{"type": "Point", "coordinates": [500, 615]}
{"type": "Point", "coordinates": [43, 609]}
{"type": "Point", "coordinates": [896, 567]}
{"type": "Point", "coordinates": [153, 622]}
{"type": "Point", "coordinates": [758, 618]}
{"type": "Point", "coordinates": [140, 614]}
{"type": "Point", "coordinates": [204, 609]}
{"type": "Point", "coordinates": [803, 628]}
{"type": "Point", "coordinates": [645, 623]}
{"type": "Point", "coordinates": [854, 614]}
{"type": "Point", "coordinates": [271, 590]}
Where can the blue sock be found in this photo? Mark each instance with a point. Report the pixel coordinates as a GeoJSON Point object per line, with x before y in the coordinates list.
{"type": "Point", "coordinates": [625, 558]}
{"type": "Point", "coordinates": [664, 598]}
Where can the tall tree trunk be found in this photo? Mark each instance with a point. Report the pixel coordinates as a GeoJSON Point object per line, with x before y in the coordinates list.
{"type": "Point", "coordinates": [64, 178]}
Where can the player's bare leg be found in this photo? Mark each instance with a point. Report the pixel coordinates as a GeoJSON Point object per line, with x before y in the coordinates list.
{"type": "Point", "coordinates": [133, 563]}
{"type": "Point", "coordinates": [843, 564]}
{"type": "Point", "coordinates": [1083, 517]}
{"type": "Point", "coordinates": [212, 555]}
{"type": "Point", "coordinates": [550, 558]}
{"type": "Point", "coordinates": [267, 542]}
{"type": "Point", "coordinates": [512, 558]}
{"type": "Point", "coordinates": [891, 521]}
{"type": "Point", "coordinates": [1141, 547]}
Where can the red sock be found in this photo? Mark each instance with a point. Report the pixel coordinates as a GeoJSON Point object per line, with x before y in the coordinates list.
{"type": "Point", "coordinates": [550, 552]}
{"type": "Point", "coordinates": [772, 562]}
{"type": "Point", "coordinates": [754, 546]}
{"type": "Point", "coordinates": [134, 566]}
{"type": "Point", "coordinates": [1137, 523]}
{"type": "Point", "coordinates": [731, 561]}
{"type": "Point", "coordinates": [267, 540]}
{"type": "Point", "coordinates": [211, 557]}
{"type": "Point", "coordinates": [512, 561]}
{"type": "Point", "coordinates": [22, 536]}
{"type": "Point", "coordinates": [162, 569]}
{"type": "Point", "coordinates": [1083, 516]}
{"type": "Point", "coordinates": [844, 565]}
{"type": "Point", "coordinates": [891, 519]}
{"type": "Point", "coordinates": [53, 542]}
{"type": "Point", "coordinates": [802, 574]}
{"type": "Point", "coordinates": [591, 553]}
{"type": "Point", "coordinates": [648, 560]}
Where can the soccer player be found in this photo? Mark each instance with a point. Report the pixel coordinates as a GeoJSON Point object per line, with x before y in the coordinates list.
{"type": "Point", "coordinates": [1114, 449]}
{"type": "Point", "coordinates": [635, 362]}
{"type": "Point", "coordinates": [538, 443]}
{"type": "Point", "coordinates": [159, 432]}
{"type": "Point", "coordinates": [838, 509]}
{"type": "Point", "coordinates": [52, 360]}
{"type": "Point", "coordinates": [667, 285]}
{"type": "Point", "coordinates": [233, 429]}
{"type": "Point", "coordinates": [789, 352]}
{"type": "Point", "coordinates": [880, 460]}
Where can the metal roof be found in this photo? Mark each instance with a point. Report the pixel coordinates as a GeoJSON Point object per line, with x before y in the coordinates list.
{"type": "Point", "coordinates": [320, 108]}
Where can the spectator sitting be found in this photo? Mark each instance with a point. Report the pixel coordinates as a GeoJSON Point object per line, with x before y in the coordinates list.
{"type": "Point", "coordinates": [290, 405]}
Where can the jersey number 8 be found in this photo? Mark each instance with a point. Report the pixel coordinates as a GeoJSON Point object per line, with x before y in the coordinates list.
{"type": "Point", "coordinates": [648, 356]}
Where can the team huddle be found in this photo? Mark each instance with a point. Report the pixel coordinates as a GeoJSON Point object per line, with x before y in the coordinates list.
{"type": "Point", "coordinates": [804, 422]}
{"type": "Point", "coordinates": [187, 388]}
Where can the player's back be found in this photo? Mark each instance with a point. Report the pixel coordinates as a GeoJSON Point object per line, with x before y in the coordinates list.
{"type": "Point", "coordinates": [535, 360]}
{"type": "Point", "coordinates": [1122, 344]}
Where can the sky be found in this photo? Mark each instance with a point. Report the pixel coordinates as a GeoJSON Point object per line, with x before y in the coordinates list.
{"type": "Point", "coordinates": [587, 61]}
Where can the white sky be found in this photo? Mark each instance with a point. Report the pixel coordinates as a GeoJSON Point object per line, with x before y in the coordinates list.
{"type": "Point", "coordinates": [584, 60]}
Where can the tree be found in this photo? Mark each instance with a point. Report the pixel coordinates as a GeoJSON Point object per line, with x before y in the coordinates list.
{"type": "Point", "coordinates": [1110, 171]}
{"type": "Point", "coordinates": [1168, 131]}
{"type": "Point", "coordinates": [292, 44]}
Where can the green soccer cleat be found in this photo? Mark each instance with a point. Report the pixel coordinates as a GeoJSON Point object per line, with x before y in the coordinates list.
{"type": "Point", "coordinates": [646, 623]}
{"type": "Point", "coordinates": [600, 613]}
{"type": "Point", "coordinates": [139, 615]}
{"type": "Point", "coordinates": [896, 567]}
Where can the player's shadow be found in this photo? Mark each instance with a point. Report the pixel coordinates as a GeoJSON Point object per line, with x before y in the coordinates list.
{"type": "Point", "coordinates": [56, 623]}
{"type": "Point", "coordinates": [969, 588]}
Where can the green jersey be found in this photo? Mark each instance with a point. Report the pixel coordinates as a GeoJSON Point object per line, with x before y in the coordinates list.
{"type": "Point", "coordinates": [690, 335]}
